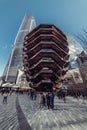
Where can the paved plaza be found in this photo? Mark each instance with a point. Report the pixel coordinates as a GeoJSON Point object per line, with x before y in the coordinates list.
{"type": "Point", "coordinates": [21, 113]}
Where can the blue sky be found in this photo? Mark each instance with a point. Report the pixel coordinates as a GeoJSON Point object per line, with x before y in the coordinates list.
{"type": "Point", "coordinates": [69, 15]}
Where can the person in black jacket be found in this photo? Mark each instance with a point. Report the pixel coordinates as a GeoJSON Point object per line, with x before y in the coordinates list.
{"type": "Point", "coordinates": [48, 100]}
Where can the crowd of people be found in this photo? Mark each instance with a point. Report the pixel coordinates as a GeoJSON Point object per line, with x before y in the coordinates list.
{"type": "Point", "coordinates": [47, 100]}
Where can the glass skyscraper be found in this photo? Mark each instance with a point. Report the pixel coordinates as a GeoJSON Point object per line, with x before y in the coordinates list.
{"type": "Point", "coordinates": [15, 59]}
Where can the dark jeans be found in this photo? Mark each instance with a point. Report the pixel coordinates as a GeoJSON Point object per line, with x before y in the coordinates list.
{"type": "Point", "coordinates": [52, 103]}
{"type": "Point", "coordinates": [5, 100]}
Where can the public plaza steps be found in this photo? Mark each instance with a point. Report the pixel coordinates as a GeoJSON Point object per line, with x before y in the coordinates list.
{"type": "Point", "coordinates": [22, 113]}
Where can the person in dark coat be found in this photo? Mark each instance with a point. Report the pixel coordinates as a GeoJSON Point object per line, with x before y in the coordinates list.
{"type": "Point", "coordinates": [48, 100]}
{"type": "Point", "coordinates": [52, 100]}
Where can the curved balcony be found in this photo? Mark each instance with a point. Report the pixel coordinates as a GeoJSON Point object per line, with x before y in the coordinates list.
{"type": "Point", "coordinates": [46, 74]}
{"type": "Point", "coordinates": [50, 54]}
{"type": "Point", "coordinates": [42, 85]}
{"type": "Point", "coordinates": [46, 27]}
{"type": "Point", "coordinates": [47, 45]}
{"type": "Point", "coordinates": [44, 63]}
{"type": "Point", "coordinates": [45, 32]}
{"type": "Point", "coordinates": [46, 38]}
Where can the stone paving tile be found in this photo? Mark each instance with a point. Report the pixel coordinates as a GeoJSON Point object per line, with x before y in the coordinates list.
{"type": "Point", "coordinates": [23, 124]}
{"type": "Point", "coordinates": [8, 114]}
{"type": "Point", "coordinates": [71, 115]}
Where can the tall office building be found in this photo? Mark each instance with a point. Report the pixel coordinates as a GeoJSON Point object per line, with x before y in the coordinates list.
{"type": "Point", "coordinates": [15, 60]}
{"type": "Point", "coordinates": [74, 50]}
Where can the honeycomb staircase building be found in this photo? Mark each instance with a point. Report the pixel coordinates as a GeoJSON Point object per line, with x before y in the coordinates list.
{"type": "Point", "coordinates": [45, 57]}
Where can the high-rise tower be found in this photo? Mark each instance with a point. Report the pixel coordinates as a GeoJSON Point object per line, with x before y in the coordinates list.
{"type": "Point", "coordinates": [15, 60]}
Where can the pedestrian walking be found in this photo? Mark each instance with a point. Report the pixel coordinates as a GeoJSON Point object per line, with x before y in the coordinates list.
{"type": "Point", "coordinates": [5, 96]}
{"type": "Point", "coordinates": [52, 100]}
{"type": "Point", "coordinates": [44, 99]}
{"type": "Point", "coordinates": [48, 100]}
{"type": "Point", "coordinates": [41, 100]}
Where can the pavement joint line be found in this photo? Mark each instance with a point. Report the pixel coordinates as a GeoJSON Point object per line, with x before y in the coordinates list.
{"type": "Point", "coordinates": [23, 124]}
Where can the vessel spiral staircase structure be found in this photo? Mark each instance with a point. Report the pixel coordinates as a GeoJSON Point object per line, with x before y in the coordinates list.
{"type": "Point", "coordinates": [45, 57]}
